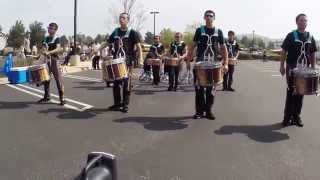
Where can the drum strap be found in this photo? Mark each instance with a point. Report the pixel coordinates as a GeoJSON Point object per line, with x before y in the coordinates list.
{"type": "Point", "coordinates": [209, 53]}
{"type": "Point", "coordinates": [116, 36]}
{"type": "Point", "coordinates": [231, 45]}
{"type": "Point", "coordinates": [156, 48]}
{"type": "Point", "coordinates": [175, 46]}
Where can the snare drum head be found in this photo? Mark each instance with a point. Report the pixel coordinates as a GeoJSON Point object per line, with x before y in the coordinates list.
{"type": "Point", "coordinates": [207, 65]}
{"type": "Point", "coordinates": [306, 72]}
{"type": "Point", "coordinates": [118, 61]}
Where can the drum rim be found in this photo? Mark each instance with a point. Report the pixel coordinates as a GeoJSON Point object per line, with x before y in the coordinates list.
{"type": "Point", "coordinates": [37, 67]}
{"type": "Point", "coordinates": [116, 61]}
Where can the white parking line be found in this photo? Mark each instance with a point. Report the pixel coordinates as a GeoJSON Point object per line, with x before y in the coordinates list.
{"type": "Point", "coordinates": [83, 78]}
{"type": "Point", "coordinates": [86, 106]}
{"type": "Point", "coordinates": [276, 75]}
{"type": "Point", "coordinates": [269, 71]}
{"type": "Point", "coordinates": [52, 100]}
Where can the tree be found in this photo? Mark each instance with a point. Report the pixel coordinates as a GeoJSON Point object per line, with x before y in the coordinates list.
{"type": "Point", "coordinates": [148, 38]}
{"type": "Point", "coordinates": [64, 40]}
{"type": "Point", "coordinates": [16, 35]}
{"type": "Point", "coordinates": [133, 8]}
{"type": "Point", "coordinates": [89, 40]}
{"type": "Point", "coordinates": [261, 43]}
{"type": "Point", "coordinates": [37, 33]}
{"type": "Point", "coordinates": [188, 38]}
{"type": "Point", "coordinates": [100, 38]}
{"type": "Point", "coordinates": [246, 41]}
{"type": "Point", "coordinates": [271, 45]}
{"type": "Point", "coordinates": [167, 36]}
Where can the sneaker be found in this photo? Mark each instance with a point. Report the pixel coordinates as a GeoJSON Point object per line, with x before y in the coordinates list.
{"type": "Point", "coordinates": [286, 122]}
{"type": "Point", "coordinates": [44, 100]}
{"type": "Point", "coordinates": [210, 116]}
{"type": "Point", "coordinates": [297, 121]}
{"type": "Point", "coordinates": [231, 89]}
{"type": "Point", "coordinates": [114, 108]}
{"type": "Point", "coordinates": [62, 102]}
{"type": "Point", "coordinates": [125, 109]}
{"type": "Point", "coordinates": [197, 116]}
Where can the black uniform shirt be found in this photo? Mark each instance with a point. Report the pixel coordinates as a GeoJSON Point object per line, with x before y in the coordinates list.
{"type": "Point", "coordinates": [203, 40]}
{"type": "Point", "coordinates": [128, 42]}
{"type": "Point", "coordinates": [294, 48]}
{"type": "Point", "coordinates": [233, 48]}
{"type": "Point", "coordinates": [181, 47]}
{"type": "Point", "coordinates": [52, 43]}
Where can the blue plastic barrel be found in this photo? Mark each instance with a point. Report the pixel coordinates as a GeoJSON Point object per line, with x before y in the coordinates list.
{"type": "Point", "coordinates": [18, 75]}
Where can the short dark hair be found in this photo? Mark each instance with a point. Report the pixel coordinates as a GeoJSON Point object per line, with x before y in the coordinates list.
{"type": "Point", "coordinates": [299, 16]}
{"type": "Point", "coordinates": [211, 12]}
{"type": "Point", "coordinates": [231, 33]}
{"type": "Point", "coordinates": [55, 25]}
{"type": "Point", "coordinates": [125, 13]}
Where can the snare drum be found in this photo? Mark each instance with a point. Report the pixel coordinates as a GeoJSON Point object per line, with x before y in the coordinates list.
{"type": "Point", "coordinates": [115, 69]}
{"type": "Point", "coordinates": [39, 74]}
{"type": "Point", "coordinates": [172, 62]}
{"type": "Point", "coordinates": [153, 62]}
{"type": "Point", "coordinates": [208, 74]}
{"type": "Point", "coordinates": [232, 61]}
{"type": "Point", "coordinates": [306, 81]}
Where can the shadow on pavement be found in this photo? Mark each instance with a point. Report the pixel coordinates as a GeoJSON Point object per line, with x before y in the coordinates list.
{"type": "Point", "coordinates": [17, 105]}
{"type": "Point", "coordinates": [158, 123]}
{"type": "Point", "coordinates": [264, 134]}
{"type": "Point", "coordinates": [72, 114]}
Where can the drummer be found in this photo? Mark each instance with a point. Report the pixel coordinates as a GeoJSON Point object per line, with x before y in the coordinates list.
{"type": "Point", "coordinates": [178, 49]}
{"type": "Point", "coordinates": [126, 39]}
{"type": "Point", "coordinates": [233, 53]}
{"type": "Point", "coordinates": [156, 51]}
{"type": "Point", "coordinates": [291, 50]}
{"type": "Point", "coordinates": [54, 48]}
{"type": "Point", "coordinates": [204, 98]}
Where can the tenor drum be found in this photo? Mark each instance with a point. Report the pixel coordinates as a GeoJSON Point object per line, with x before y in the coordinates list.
{"type": "Point", "coordinates": [115, 69]}
{"type": "Point", "coordinates": [208, 74]}
{"type": "Point", "coordinates": [306, 81]}
{"type": "Point", "coordinates": [232, 61]}
{"type": "Point", "coordinates": [172, 62]}
{"type": "Point", "coordinates": [154, 62]}
{"type": "Point", "coordinates": [39, 74]}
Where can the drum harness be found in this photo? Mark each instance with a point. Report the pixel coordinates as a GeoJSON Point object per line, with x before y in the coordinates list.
{"type": "Point", "coordinates": [209, 50]}
{"type": "Point", "coordinates": [303, 56]}
{"type": "Point", "coordinates": [230, 45]}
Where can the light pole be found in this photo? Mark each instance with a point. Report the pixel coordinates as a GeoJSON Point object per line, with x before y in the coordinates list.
{"type": "Point", "coordinates": [253, 39]}
{"type": "Point", "coordinates": [75, 25]}
{"type": "Point", "coordinates": [154, 21]}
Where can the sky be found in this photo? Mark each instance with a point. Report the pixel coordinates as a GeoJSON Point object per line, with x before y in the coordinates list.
{"type": "Point", "coordinates": [271, 18]}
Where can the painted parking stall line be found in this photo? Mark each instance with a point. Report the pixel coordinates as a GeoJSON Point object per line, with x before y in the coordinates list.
{"type": "Point", "coordinates": [38, 93]}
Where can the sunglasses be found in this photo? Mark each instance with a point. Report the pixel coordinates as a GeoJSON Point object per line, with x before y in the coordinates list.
{"type": "Point", "coordinates": [51, 28]}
